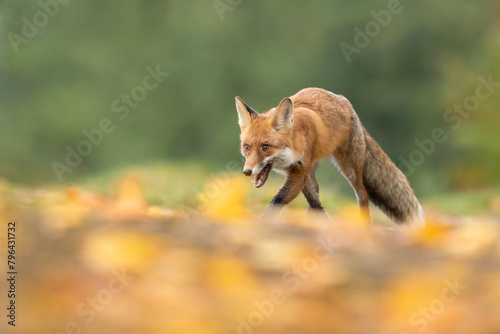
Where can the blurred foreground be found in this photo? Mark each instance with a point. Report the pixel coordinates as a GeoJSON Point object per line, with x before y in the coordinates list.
{"type": "Point", "coordinates": [96, 263]}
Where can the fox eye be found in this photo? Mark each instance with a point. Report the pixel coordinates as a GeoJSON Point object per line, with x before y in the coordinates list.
{"type": "Point", "coordinates": [246, 147]}
{"type": "Point", "coordinates": [265, 147]}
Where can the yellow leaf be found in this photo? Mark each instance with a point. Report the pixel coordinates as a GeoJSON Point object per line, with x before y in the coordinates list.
{"type": "Point", "coordinates": [70, 210]}
{"type": "Point", "coordinates": [406, 296]}
{"type": "Point", "coordinates": [117, 250]}
{"type": "Point", "coordinates": [225, 201]}
{"type": "Point", "coordinates": [229, 274]}
{"type": "Point", "coordinates": [355, 216]}
{"type": "Point", "coordinates": [84, 198]}
{"type": "Point", "coordinates": [432, 234]}
{"type": "Point", "coordinates": [130, 198]}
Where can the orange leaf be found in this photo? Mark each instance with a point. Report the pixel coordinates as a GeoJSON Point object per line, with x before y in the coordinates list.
{"type": "Point", "coordinates": [130, 198]}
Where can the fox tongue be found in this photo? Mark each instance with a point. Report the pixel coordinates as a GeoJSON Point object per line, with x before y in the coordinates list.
{"type": "Point", "coordinates": [261, 178]}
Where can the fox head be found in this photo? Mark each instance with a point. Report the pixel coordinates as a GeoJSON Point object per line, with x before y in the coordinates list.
{"type": "Point", "coordinates": [265, 139]}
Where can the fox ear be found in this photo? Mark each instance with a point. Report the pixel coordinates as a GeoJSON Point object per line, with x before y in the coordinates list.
{"type": "Point", "coordinates": [283, 117]}
{"type": "Point", "coordinates": [245, 113]}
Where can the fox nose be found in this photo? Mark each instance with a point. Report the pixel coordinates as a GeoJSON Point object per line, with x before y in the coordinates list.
{"type": "Point", "coordinates": [247, 172]}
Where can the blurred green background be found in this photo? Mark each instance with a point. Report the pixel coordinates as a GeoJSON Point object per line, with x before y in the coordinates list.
{"type": "Point", "coordinates": [67, 65]}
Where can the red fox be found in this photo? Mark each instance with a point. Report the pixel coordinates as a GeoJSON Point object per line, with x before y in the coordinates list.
{"type": "Point", "coordinates": [315, 124]}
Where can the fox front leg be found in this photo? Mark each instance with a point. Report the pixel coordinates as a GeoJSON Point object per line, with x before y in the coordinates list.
{"type": "Point", "coordinates": [294, 183]}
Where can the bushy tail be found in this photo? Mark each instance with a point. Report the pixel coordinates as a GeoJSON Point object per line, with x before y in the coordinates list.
{"type": "Point", "coordinates": [388, 188]}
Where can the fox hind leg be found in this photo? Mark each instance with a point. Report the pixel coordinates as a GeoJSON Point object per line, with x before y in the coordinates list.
{"type": "Point", "coordinates": [362, 197]}
{"type": "Point", "coordinates": [352, 171]}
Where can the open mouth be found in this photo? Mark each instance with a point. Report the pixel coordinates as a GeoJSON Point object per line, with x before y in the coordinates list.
{"type": "Point", "coordinates": [261, 178]}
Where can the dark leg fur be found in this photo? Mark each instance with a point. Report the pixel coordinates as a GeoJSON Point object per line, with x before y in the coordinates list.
{"type": "Point", "coordinates": [294, 183]}
{"type": "Point", "coordinates": [311, 195]}
{"type": "Point", "coordinates": [311, 190]}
